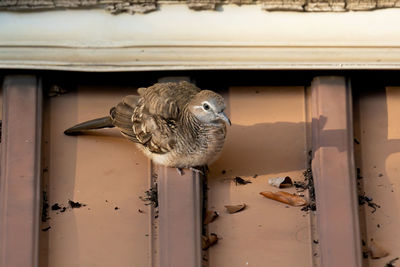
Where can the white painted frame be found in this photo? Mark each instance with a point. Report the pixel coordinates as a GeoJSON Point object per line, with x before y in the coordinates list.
{"type": "Point", "coordinates": [177, 38]}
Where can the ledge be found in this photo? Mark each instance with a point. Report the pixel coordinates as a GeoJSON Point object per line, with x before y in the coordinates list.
{"type": "Point", "coordinates": [94, 40]}
{"type": "Point", "coordinates": [144, 6]}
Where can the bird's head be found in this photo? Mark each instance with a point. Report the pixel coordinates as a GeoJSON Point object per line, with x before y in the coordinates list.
{"type": "Point", "coordinates": [208, 107]}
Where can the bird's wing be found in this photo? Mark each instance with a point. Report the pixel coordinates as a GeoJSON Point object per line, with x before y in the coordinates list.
{"type": "Point", "coordinates": [167, 99]}
{"type": "Point", "coordinates": [154, 132]}
{"type": "Point", "coordinates": [121, 116]}
{"type": "Point", "coordinates": [154, 119]}
{"type": "Point", "coordinates": [137, 124]}
{"type": "Point", "coordinates": [151, 118]}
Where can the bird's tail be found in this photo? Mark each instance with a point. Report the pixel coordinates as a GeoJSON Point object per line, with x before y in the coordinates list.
{"type": "Point", "coordinates": [105, 122]}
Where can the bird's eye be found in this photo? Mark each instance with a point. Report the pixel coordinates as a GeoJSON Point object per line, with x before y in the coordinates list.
{"type": "Point", "coordinates": [206, 106]}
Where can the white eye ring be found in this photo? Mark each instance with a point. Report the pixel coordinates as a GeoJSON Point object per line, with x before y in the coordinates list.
{"type": "Point", "coordinates": [206, 106]}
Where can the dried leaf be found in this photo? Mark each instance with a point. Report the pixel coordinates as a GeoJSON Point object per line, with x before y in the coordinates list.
{"type": "Point", "coordinates": [377, 251]}
{"type": "Point", "coordinates": [210, 216]}
{"type": "Point", "coordinates": [46, 229]}
{"type": "Point", "coordinates": [208, 241]}
{"type": "Point", "coordinates": [235, 208]}
{"type": "Point", "coordinates": [284, 197]}
{"type": "Point", "coordinates": [281, 182]}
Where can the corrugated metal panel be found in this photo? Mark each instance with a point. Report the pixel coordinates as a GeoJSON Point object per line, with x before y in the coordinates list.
{"type": "Point", "coordinates": [334, 172]}
{"type": "Point", "coordinates": [377, 132]}
{"type": "Point", "coordinates": [20, 171]}
{"type": "Point", "coordinates": [102, 170]}
{"type": "Point", "coordinates": [267, 139]}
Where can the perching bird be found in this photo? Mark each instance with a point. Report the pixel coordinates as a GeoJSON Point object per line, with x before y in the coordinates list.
{"type": "Point", "coordinates": [175, 124]}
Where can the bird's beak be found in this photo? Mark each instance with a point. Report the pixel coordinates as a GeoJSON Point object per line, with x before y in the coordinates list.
{"type": "Point", "coordinates": [225, 118]}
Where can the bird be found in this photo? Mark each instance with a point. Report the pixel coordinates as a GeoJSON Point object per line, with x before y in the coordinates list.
{"type": "Point", "coordinates": [175, 124]}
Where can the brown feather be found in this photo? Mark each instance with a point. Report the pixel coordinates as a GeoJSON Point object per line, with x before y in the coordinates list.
{"type": "Point", "coordinates": [167, 99]}
{"type": "Point", "coordinates": [169, 125]}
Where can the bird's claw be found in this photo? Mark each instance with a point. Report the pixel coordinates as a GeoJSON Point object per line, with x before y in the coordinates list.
{"type": "Point", "coordinates": [193, 169]}
{"type": "Point", "coordinates": [180, 171]}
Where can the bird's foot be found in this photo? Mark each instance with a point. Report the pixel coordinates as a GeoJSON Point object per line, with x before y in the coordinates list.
{"type": "Point", "coordinates": [206, 169]}
{"type": "Point", "coordinates": [196, 170]}
{"type": "Point", "coordinates": [180, 171]}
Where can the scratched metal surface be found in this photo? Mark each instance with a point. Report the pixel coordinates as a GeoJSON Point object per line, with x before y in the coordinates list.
{"type": "Point", "coordinates": [103, 171]}
{"type": "Point", "coordinates": [267, 138]}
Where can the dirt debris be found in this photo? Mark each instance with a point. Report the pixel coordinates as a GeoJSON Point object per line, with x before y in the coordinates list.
{"type": "Point", "coordinates": [55, 206]}
{"type": "Point", "coordinates": [359, 176]}
{"type": "Point", "coordinates": [151, 197]}
{"type": "Point", "coordinates": [308, 184]}
{"type": "Point", "coordinates": [59, 208]}
{"type": "Point", "coordinates": [75, 205]}
{"type": "Point", "coordinates": [46, 229]}
{"type": "Point", "coordinates": [391, 263]}
{"type": "Point", "coordinates": [363, 199]}
{"type": "Point", "coordinates": [241, 181]}
{"type": "Point", "coordinates": [45, 207]}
